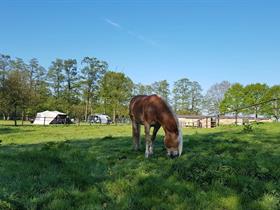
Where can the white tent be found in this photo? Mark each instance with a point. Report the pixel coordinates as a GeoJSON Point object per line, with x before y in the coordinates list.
{"type": "Point", "coordinates": [49, 117]}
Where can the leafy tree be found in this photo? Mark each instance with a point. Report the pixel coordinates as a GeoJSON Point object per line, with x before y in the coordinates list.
{"type": "Point", "coordinates": [215, 96]}
{"type": "Point", "coordinates": [92, 72]}
{"type": "Point", "coordinates": [71, 92]}
{"type": "Point", "coordinates": [116, 91]}
{"type": "Point", "coordinates": [70, 67]}
{"type": "Point", "coordinates": [273, 108]}
{"type": "Point", "coordinates": [36, 73]}
{"type": "Point", "coordinates": [140, 89]}
{"type": "Point", "coordinates": [32, 67]}
{"type": "Point", "coordinates": [187, 96]}
{"type": "Point", "coordinates": [148, 89]}
{"type": "Point", "coordinates": [5, 66]}
{"type": "Point", "coordinates": [161, 88]}
{"type": "Point", "coordinates": [19, 65]}
{"type": "Point", "coordinates": [181, 94]}
{"type": "Point", "coordinates": [56, 77]}
{"type": "Point", "coordinates": [78, 112]}
{"type": "Point", "coordinates": [195, 97]}
{"type": "Point", "coordinates": [255, 94]}
{"type": "Point", "coordinates": [17, 91]}
{"type": "Point", "coordinates": [233, 100]}
{"type": "Point", "coordinates": [38, 85]}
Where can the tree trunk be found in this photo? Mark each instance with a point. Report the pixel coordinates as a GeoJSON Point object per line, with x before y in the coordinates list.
{"type": "Point", "coordinates": [114, 115]}
{"type": "Point", "coordinates": [91, 110]}
{"type": "Point", "coordinates": [15, 115]}
{"type": "Point", "coordinates": [236, 117]}
{"type": "Point", "coordinates": [276, 111]}
{"type": "Point", "coordinates": [22, 117]}
{"type": "Point", "coordinates": [105, 106]}
{"type": "Point", "coordinates": [86, 111]}
{"type": "Point", "coordinates": [256, 114]}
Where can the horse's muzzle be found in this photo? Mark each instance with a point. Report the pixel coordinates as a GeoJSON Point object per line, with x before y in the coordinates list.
{"type": "Point", "coordinates": [173, 154]}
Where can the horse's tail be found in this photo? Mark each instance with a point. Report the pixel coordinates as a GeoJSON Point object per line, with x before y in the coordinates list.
{"type": "Point", "coordinates": [180, 138]}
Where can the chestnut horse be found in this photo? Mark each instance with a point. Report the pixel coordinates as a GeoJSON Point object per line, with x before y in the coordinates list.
{"type": "Point", "coordinates": [153, 111]}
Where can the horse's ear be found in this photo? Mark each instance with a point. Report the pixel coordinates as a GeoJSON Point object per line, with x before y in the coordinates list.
{"type": "Point", "coordinates": [180, 138]}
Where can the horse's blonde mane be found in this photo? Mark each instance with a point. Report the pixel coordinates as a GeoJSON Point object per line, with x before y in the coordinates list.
{"type": "Point", "coordinates": [180, 137]}
{"type": "Point", "coordinates": [170, 108]}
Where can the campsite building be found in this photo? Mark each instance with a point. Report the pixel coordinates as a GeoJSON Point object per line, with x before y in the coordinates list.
{"type": "Point", "coordinates": [201, 121]}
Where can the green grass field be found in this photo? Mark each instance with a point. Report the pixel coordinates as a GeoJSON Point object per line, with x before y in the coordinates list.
{"type": "Point", "coordinates": [94, 167]}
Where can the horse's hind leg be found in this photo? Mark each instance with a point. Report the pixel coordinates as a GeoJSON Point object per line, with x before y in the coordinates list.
{"type": "Point", "coordinates": [136, 135]}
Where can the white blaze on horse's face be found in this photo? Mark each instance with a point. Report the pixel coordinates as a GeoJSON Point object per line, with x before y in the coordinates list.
{"type": "Point", "coordinates": [176, 151]}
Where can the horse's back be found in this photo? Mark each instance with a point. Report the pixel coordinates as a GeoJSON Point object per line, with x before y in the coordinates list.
{"type": "Point", "coordinates": [142, 101]}
{"type": "Point", "coordinates": [146, 108]}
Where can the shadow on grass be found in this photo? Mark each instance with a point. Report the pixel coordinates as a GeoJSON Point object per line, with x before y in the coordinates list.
{"type": "Point", "coordinates": [8, 129]}
{"type": "Point", "coordinates": [222, 170]}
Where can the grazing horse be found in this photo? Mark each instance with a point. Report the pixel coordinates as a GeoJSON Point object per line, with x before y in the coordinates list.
{"type": "Point", "coordinates": [153, 111]}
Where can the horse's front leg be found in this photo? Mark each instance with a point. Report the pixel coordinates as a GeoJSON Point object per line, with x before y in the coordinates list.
{"type": "Point", "coordinates": [156, 128]}
{"type": "Point", "coordinates": [149, 149]}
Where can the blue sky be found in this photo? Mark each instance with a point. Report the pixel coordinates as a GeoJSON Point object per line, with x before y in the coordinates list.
{"type": "Point", "coordinates": [206, 41]}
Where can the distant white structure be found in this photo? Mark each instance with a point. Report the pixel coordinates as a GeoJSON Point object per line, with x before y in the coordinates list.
{"type": "Point", "coordinates": [201, 121]}
{"type": "Point", "coordinates": [100, 118]}
{"type": "Point", "coordinates": [50, 117]}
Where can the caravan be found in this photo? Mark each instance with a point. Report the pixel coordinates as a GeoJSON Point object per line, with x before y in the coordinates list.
{"type": "Point", "coordinates": [100, 118]}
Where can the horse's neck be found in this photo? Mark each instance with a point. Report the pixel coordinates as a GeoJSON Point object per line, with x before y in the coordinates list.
{"type": "Point", "coordinates": [170, 124]}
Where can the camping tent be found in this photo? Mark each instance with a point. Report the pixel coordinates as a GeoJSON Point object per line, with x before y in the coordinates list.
{"type": "Point", "coordinates": [50, 117]}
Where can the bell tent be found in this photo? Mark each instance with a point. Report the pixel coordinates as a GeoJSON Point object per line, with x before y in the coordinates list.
{"type": "Point", "coordinates": [50, 117]}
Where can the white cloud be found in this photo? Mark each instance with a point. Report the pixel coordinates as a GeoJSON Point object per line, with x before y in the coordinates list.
{"type": "Point", "coordinates": [131, 33]}
{"type": "Point", "coordinates": [116, 25]}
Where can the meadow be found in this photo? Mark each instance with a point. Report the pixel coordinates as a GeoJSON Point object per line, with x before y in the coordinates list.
{"type": "Point", "coordinates": [94, 167]}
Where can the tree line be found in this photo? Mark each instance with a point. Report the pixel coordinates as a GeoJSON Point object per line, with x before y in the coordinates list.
{"type": "Point", "coordinates": [82, 88]}
{"type": "Point", "coordinates": [256, 99]}
{"type": "Point", "coordinates": [76, 88]}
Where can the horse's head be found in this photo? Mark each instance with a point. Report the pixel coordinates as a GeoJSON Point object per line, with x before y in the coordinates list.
{"type": "Point", "coordinates": [174, 144]}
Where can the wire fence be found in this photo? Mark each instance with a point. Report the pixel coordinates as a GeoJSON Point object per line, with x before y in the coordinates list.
{"type": "Point", "coordinates": [238, 110]}
{"type": "Point", "coordinates": [231, 116]}
{"type": "Point", "coordinates": [63, 120]}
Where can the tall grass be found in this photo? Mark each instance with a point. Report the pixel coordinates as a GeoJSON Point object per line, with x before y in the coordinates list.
{"type": "Point", "coordinates": [94, 167]}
